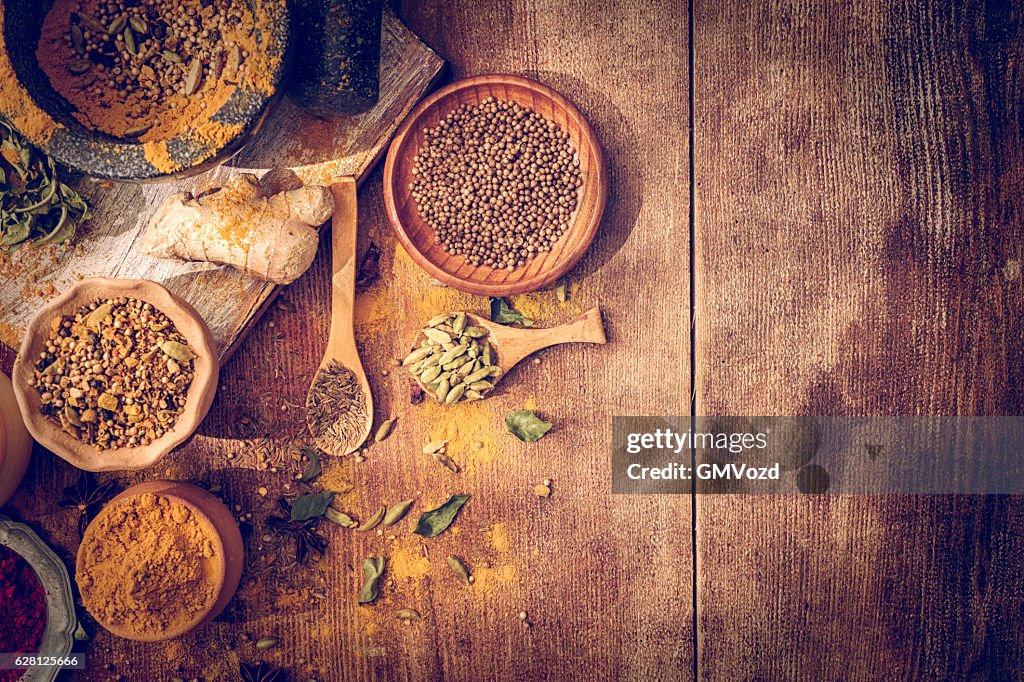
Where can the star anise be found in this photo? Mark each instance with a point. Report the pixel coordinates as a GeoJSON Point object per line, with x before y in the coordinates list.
{"type": "Point", "coordinates": [305, 533]}
{"type": "Point", "coordinates": [87, 497]}
{"type": "Point", "coordinates": [259, 673]}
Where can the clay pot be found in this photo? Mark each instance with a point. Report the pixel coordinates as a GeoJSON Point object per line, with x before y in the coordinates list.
{"type": "Point", "coordinates": [15, 443]}
{"type": "Point", "coordinates": [225, 568]}
{"type": "Point", "coordinates": [200, 394]}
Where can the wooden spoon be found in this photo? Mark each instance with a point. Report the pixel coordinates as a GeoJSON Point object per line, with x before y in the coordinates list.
{"type": "Point", "coordinates": [339, 406]}
{"type": "Point", "coordinates": [514, 344]}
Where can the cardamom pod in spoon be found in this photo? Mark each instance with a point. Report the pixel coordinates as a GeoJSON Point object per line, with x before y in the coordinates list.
{"type": "Point", "coordinates": [461, 356]}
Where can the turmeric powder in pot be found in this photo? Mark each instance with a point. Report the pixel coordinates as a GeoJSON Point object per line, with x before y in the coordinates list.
{"type": "Point", "coordinates": [146, 567]}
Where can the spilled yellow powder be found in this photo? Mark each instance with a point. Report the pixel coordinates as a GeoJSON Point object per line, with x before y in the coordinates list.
{"type": "Point", "coordinates": [499, 537]}
{"type": "Point", "coordinates": [488, 580]}
{"type": "Point", "coordinates": [463, 426]}
{"type": "Point", "coordinates": [158, 155]}
{"type": "Point", "coordinates": [544, 308]}
{"type": "Point", "coordinates": [408, 563]}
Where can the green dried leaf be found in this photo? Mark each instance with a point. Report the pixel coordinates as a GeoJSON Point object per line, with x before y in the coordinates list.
{"type": "Point", "coordinates": [526, 425]}
{"type": "Point", "coordinates": [502, 312]}
{"type": "Point", "coordinates": [437, 521]}
{"type": "Point", "coordinates": [35, 205]}
{"type": "Point", "coordinates": [373, 569]}
{"type": "Point", "coordinates": [313, 467]}
{"type": "Point", "coordinates": [311, 506]}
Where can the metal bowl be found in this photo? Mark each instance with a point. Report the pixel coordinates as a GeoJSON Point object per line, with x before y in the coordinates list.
{"type": "Point", "coordinates": [61, 620]}
{"type": "Point", "coordinates": [32, 105]}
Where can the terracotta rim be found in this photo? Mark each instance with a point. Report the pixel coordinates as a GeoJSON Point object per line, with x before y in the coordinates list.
{"type": "Point", "coordinates": [199, 398]}
{"type": "Point", "coordinates": [453, 270]}
{"type": "Point", "coordinates": [211, 513]}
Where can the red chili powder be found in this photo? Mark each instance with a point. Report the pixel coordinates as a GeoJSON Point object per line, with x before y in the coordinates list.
{"type": "Point", "coordinates": [22, 609]}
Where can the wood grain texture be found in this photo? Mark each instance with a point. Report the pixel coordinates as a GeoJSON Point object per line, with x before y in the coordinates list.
{"type": "Point", "coordinates": [859, 222]}
{"type": "Point", "coordinates": [317, 149]}
{"type": "Point", "coordinates": [605, 581]}
{"type": "Point", "coordinates": [417, 236]}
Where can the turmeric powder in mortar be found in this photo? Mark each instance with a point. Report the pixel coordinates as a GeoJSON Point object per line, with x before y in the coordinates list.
{"type": "Point", "coordinates": [145, 566]}
{"type": "Point", "coordinates": [154, 69]}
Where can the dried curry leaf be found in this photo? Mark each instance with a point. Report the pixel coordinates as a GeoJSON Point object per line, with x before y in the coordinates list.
{"type": "Point", "coordinates": [526, 425]}
{"type": "Point", "coordinates": [502, 312]}
{"type": "Point", "coordinates": [313, 467]}
{"type": "Point", "coordinates": [373, 569]}
{"type": "Point", "coordinates": [311, 506]}
{"type": "Point", "coordinates": [35, 205]}
{"type": "Point", "coordinates": [437, 521]}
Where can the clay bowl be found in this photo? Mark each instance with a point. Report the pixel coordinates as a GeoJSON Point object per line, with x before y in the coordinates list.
{"type": "Point", "coordinates": [200, 394]}
{"type": "Point", "coordinates": [417, 237]}
{"type": "Point", "coordinates": [229, 553]}
{"type": "Point", "coordinates": [15, 443]}
{"type": "Point", "coordinates": [101, 155]}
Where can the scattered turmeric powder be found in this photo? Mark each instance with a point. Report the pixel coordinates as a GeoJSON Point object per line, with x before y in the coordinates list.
{"type": "Point", "coordinates": [144, 567]}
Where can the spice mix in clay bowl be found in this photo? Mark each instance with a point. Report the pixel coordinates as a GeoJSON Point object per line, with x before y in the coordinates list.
{"type": "Point", "coordinates": [114, 374]}
{"type": "Point", "coordinates": [162, 559]}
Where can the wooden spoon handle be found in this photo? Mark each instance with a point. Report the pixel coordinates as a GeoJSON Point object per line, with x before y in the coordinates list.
{"type": "Point", "coordinates": [343, 248]}
{"type": "Point", "coordinates": [587, 328]}
{"type": "Point", "coordinates": [518, 344]}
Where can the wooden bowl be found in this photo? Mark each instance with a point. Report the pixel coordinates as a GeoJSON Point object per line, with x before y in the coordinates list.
{"type": "Point", "coordinates": [200, 394]}
{"type": "Point", "coordinates": [417, 237]}
{"type": "Point", "coordinates": [225, 567]}
{"type": "Point", "coordinates": [15, 443]}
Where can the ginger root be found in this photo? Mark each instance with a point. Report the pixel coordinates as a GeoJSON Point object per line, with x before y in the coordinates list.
{"type": "Point", "coordinates": [271, 237]}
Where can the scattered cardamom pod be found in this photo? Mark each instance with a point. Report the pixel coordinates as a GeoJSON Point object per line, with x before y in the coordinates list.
{"type": "Point", "coordinates": [407, 615]}
{"type": "Point", "coordinates": [373, 521]}
{"type": "Point", "coordinates": [136, 131]}
{"type": "Point", "coordinates": [340, 518]}
{"type": "Point", "coordinates": [92, 24]}
{"type": "Point", "coordinates": [396, 512]}
{"type": "Point", "coordinates": [459, 569]}
{"type": "Point", "coordinates": [434, 446]}
{"type": "Point", "coordinates": [77, 39]}
{"type": "Point", "coordinates": [139, 24]}
{"type": "Point", "coordinates": [385, 429]}
{"type": "Point", "coordinates": [446, 462]}
{"type": "Point", "coordinates": [177, 351]}
{"type": "Point", "coordinates": [267, 643]}
{"type": "Point", "coordinates": [117, 25]}
{"type": "Point", "coordinates": [195, 74]}
{"type": "Point", "coordinates": [171, 56]}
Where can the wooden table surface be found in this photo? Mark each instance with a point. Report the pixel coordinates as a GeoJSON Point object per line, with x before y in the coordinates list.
{"type": "Point", "coordinates": [848, 226]}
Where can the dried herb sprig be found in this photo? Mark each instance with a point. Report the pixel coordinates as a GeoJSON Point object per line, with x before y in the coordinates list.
{"type": "Point", "coordinates": [35, 204]}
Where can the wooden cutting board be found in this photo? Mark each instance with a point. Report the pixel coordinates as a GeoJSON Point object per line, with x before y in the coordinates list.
{"type": "Point", "coordinates": [317, 149]}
